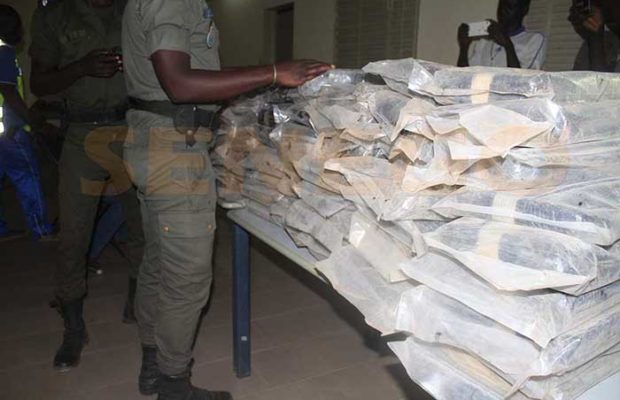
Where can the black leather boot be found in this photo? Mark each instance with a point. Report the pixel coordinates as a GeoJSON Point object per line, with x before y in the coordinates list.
{"type": "Point", "coordinates": [149, 379]}
{"type": "Point", "coordinates": [74, 338]}
{"type": "Point", "coordinates": [129, 316]}
{"type": "Point", "coordinates": [180, 388]}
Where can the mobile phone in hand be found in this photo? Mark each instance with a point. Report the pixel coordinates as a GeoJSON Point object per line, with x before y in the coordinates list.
{"type": "Point", "coordinates": [478, 29]}
{"type": "Point", "coordinates": [584, 5]}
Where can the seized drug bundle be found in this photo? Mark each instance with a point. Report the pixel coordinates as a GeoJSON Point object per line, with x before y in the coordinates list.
{"type": "Point", "coordinates": [474, 210]}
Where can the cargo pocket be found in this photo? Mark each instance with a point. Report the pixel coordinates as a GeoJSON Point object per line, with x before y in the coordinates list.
{"type": "Point", "coordinates": [186, 241]}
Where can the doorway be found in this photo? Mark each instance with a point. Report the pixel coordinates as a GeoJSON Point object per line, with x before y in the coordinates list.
{"type": "Point", "coordinates": [283, 32]}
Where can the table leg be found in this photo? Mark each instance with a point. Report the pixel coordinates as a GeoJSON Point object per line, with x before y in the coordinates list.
{"type": "Point", "coordinates": [241, 301]}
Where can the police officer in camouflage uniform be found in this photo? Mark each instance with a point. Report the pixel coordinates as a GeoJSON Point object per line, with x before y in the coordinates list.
{"type": "Point", "coordinates": [75, 54]}
{"type": "Point", "coordinates": [170, 50]}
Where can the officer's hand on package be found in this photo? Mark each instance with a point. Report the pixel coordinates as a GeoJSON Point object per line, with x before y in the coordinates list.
{"type": "Point", "coordinates": [497, 35]}
{"type": "Point", "coordinates": [101, 63]}
{"type": "Point", "coordinates": [463, 36]}
{"type": "Point", "coordinates": [296, 73]}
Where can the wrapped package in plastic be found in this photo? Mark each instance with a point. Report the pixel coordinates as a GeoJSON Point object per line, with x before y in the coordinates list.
{"type": "Point", "coordinates": [369, 132]}
{"type": "Point", "coordinates": [580, 123]}
{"type": "Point", "coordinates": [608, 271]}
{"type": "Point", "coordinates": [279, 209]}
{"type": "Point", "coordinates": [414, 206]}
{"type": "Point", "coordinates": [366, 147]}
{"type": "Point", "coordinates": [540, 316]}
{"type": "Point", "coordinates": [304, 219]}
{"type": "Point", "coordinates": [264, 159]}
{"type": "Point", "coordinates": [576, 347]}
{"type": "Point", "coordinates": [343, 114]}
{"type": "Point", "coordinates": [303, 239]}
{"type": "Point", "coordinates": [449, 373]}
{"type": "Point", "coordinates": [367, 237]}
{"type": "Point", "coordinates": [600, 155]}
{"type": "Point", "coordinates": [508, 174]}
{"type": "Point", "coordinates": [513, 257]}
{"type": "Point", "coordinates": [374, 179]}
{"type": "Point", "coordinates": [258, 209]}
{"type": "Point", "coordinates": [322, 201]}
{"type": "Point", "coordinates": [413, 147]}
{"type": "Point", "coordinates": [291, 112]}
{"type": "Point", "coordinates": [491, 131]}
{"type": "Point", "coordinates": [293, 141]}
{"type": "Point", "coordinates": [572, 384]}
{"type": "Point", "coordinates": [260, 193]}
{"type": "Point", "coordinates": [560, 124]}
{"type": "Point", "coordinates": [436, 318]}
{"type": "Point", "coordinates": [333, 83]}
{"type": "Point", "coordinates": [412, 118]}
{"type": "Point", "coordinates": [386, 105]}
{"type": "Point", "coordinates": [354, 278]}
{"type": "Point", "coordinates": [441, 170]}
{"type": "Point", "coordinates": [453, 85]}
{"type": "Point", "coordinates": [257, 177]}
{"type": "Point", "coordinates": [342, 219]}
{"type": "Point", "coordinates": [395, 73]}
{"type": "Point", "coordinates": [585, 211]}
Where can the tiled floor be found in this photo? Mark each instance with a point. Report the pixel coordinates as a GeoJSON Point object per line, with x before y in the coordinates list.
{"type": "Point", "coordinates": [308, 343]}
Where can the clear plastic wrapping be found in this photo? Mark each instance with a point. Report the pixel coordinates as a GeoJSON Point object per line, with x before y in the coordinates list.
{"type": "Point", "coordinates": [395, 73]}
{"type": "Point", "coordinates": [453, 85]}
{"type": "Point", "coordinates": [600, 155]}
{"type": "Point", "coordinates": [414, 206]}
{"type": "Point", "coordinates": [513, 257]}
{"type": "Point", "coordinates": [304, 219]}
{"type": "Point", "coordinates": [375, 180]}
{"type": "Point", "coordinates": [581, 210]}
{"type": "Point", "coordinates": [540, 316]}
{"type": "Point", "coordinates": [322, 201]}
{"type": "Point", "coordinates": [333, 83]}
{"type": "Point", "coordinates": [367, 237]}
{"type": "Point", "coordinates": [435, 318]}
{"type": "Point", "coordinates": [473, 209]}
{"type": "Point", "coordinates": [354, 278]}
{"type": "Point", "coordinates": [498, 124]}
{"type": "Point", "coordinates": [448, 373]}
{"type": "Point", "coordinates": [386, 105]}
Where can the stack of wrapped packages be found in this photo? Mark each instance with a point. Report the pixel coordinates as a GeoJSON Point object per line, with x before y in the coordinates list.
{"type": "Point", "coordinates": [474, 211]}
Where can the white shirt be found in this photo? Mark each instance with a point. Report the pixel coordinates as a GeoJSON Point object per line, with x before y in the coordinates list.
{"type": "Point", "coordinates": [531, 48]}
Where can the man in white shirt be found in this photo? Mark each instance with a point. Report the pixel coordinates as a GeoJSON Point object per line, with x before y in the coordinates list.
{"type": "Point", "coordinates": [507, 44]}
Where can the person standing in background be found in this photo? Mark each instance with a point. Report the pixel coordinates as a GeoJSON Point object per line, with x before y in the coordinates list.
{"type": "Point", "coordinates": [75, 54]}
{"type": "Point", "coordinates": [598, 24]}
{"type": "Point", "coordinates": [508, 44]}
{"type": "Point", "coordinates": [17, 157]}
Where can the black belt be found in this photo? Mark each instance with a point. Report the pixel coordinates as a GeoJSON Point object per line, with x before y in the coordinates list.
{"type": "Point", "coordinates": [109, 115]}
{"type": "Point", "coordinates": [187, 118]}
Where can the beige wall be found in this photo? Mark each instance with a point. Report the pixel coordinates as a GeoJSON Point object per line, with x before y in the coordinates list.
{"type": "Point", "coordinates": [243, 32]}
{"type": "Point", "coordinates": [25, 8]}
{"type": "Point", "coordinates": [242, 24]}
{"type": "Point", "coordinates": [439, 21]}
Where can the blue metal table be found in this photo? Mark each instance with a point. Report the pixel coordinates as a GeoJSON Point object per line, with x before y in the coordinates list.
{"type": "Point", "coordinates": [246, 223]}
